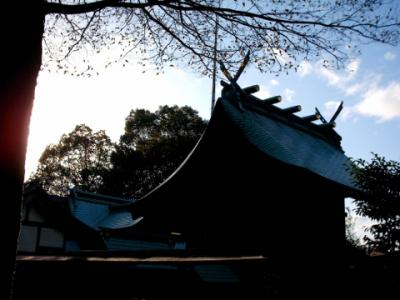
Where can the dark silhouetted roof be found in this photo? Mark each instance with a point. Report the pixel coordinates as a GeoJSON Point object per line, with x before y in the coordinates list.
{"type": "Point", "coordinates": [99, 211]}
{"type": "Point", "coordinates": [289, 138]}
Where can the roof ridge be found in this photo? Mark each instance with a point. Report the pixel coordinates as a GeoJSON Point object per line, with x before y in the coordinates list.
{"type": "Point", "coordinates": [243, 96]}
{"type": "Point", "coordinates": [99, 198]}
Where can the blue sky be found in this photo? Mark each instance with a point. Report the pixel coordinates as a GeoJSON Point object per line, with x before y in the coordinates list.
{"type": "Point", "coordinates": [369, 86]}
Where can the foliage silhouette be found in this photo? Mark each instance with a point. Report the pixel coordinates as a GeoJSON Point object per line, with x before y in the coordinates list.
{"type": "Point", "coordinates": [80, 159]}
{"type": "Point", "coordinates": [279, 34]}
{"type": "Point", "coordinates": [380, 180]}
{"type": "Point", "coordinates": [152, 147]}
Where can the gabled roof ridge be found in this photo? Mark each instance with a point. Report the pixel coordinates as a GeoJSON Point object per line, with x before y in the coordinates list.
{"type": "Point", "coordinates": [99, 198]}
{"type": "Point", "coordinates": [266, 107]}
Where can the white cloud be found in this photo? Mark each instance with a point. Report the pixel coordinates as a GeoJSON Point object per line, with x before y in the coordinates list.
{"type": "Point", "coordinates": [331, 107]}
{"type": "Point", "coordinates": [332, 77]}
{"type": "Point", "coordinates": [341, 80]}
{"type": "Point", "coordinates": [281, 55]}
{"type": "Point", "coordinates": [305, 68]}
{"type": "Point", "coordinates": [389, 56]}
{"type": "Point", "coordinates": [354, 89]}
{"type": "Point", "coordinates": [382, 103]}
{"type": "Point", "coordinates": [344, 80]}
{"type": "Point", "coordinates": [353, 66]}
{"type": "Point", "coordinates": [264, 92]}
{"type": "Point", "coordinates": [288, 95]}
{"type": "Point", "coordinates": [347, 113]}
{"type": "Point", "coordinates": [369, 82]}
{"type": "Point", "coordinates": [274, 82]}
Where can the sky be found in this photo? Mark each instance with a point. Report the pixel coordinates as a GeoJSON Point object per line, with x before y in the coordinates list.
{"type": "Point", "coordinates": [369, 85]}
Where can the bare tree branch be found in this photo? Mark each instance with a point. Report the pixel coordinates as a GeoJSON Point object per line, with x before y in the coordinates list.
{"type": "Point", "coordinates": [182, 31]}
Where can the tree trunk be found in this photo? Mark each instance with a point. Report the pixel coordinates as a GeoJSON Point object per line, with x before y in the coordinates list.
{"type": "Point", "coordinates": [20, 59]}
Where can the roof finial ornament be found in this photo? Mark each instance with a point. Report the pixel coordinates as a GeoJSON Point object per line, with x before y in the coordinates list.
{"type": "Point", "coordinates": [336, 114]}
{"type": "Point", "coordinates": [317, 112]}
{"type": "Point", "coordinates": [243, 65]}
{"type": "Point", "coordinates": [331, 122]}
{"type": "Point", "coordinates": [233, 86]}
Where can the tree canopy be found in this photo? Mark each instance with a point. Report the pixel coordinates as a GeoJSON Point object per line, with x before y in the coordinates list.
{"type": "Point", "coordinates": [380, 181]}
{"type": "Point", "coordinates": [80, 159]}
{"type": "Point", "coordinates": [153, 146]}
{"type": "Point", "coordinates": [278, 33]}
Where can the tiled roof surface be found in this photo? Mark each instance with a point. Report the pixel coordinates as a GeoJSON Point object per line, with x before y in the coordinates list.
{"type": "Point", "coordinates": [283, 140]}
{"type": "Point", "coordinates": [120, 219]}
{"type": "Point", "coordinates": [100, 214]}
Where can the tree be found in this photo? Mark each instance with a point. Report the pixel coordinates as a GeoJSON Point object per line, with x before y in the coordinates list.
{"type": "Point", "coordinates": [379, 180]}
{"type": "Point", "coordinates": [152, 147]}
{"type": "Point", "coordinates": [279, 34]}
{"type": "Point", "coordinates": [80, 159]}
{"type": "Point", "coordinates": [276, 32]}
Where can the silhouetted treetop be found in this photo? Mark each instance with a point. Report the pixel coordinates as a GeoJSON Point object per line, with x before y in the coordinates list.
{"type": "Point", "coordinates": [152, 147]}
{"type": "Point", "coordinates": [80, 159]}
{"type": "Point", "coordinates": [380, 181]}
{"type": "Point", "coordinates": [168, 122]}
{"type": "Point", "coordinates": [280, 34]}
